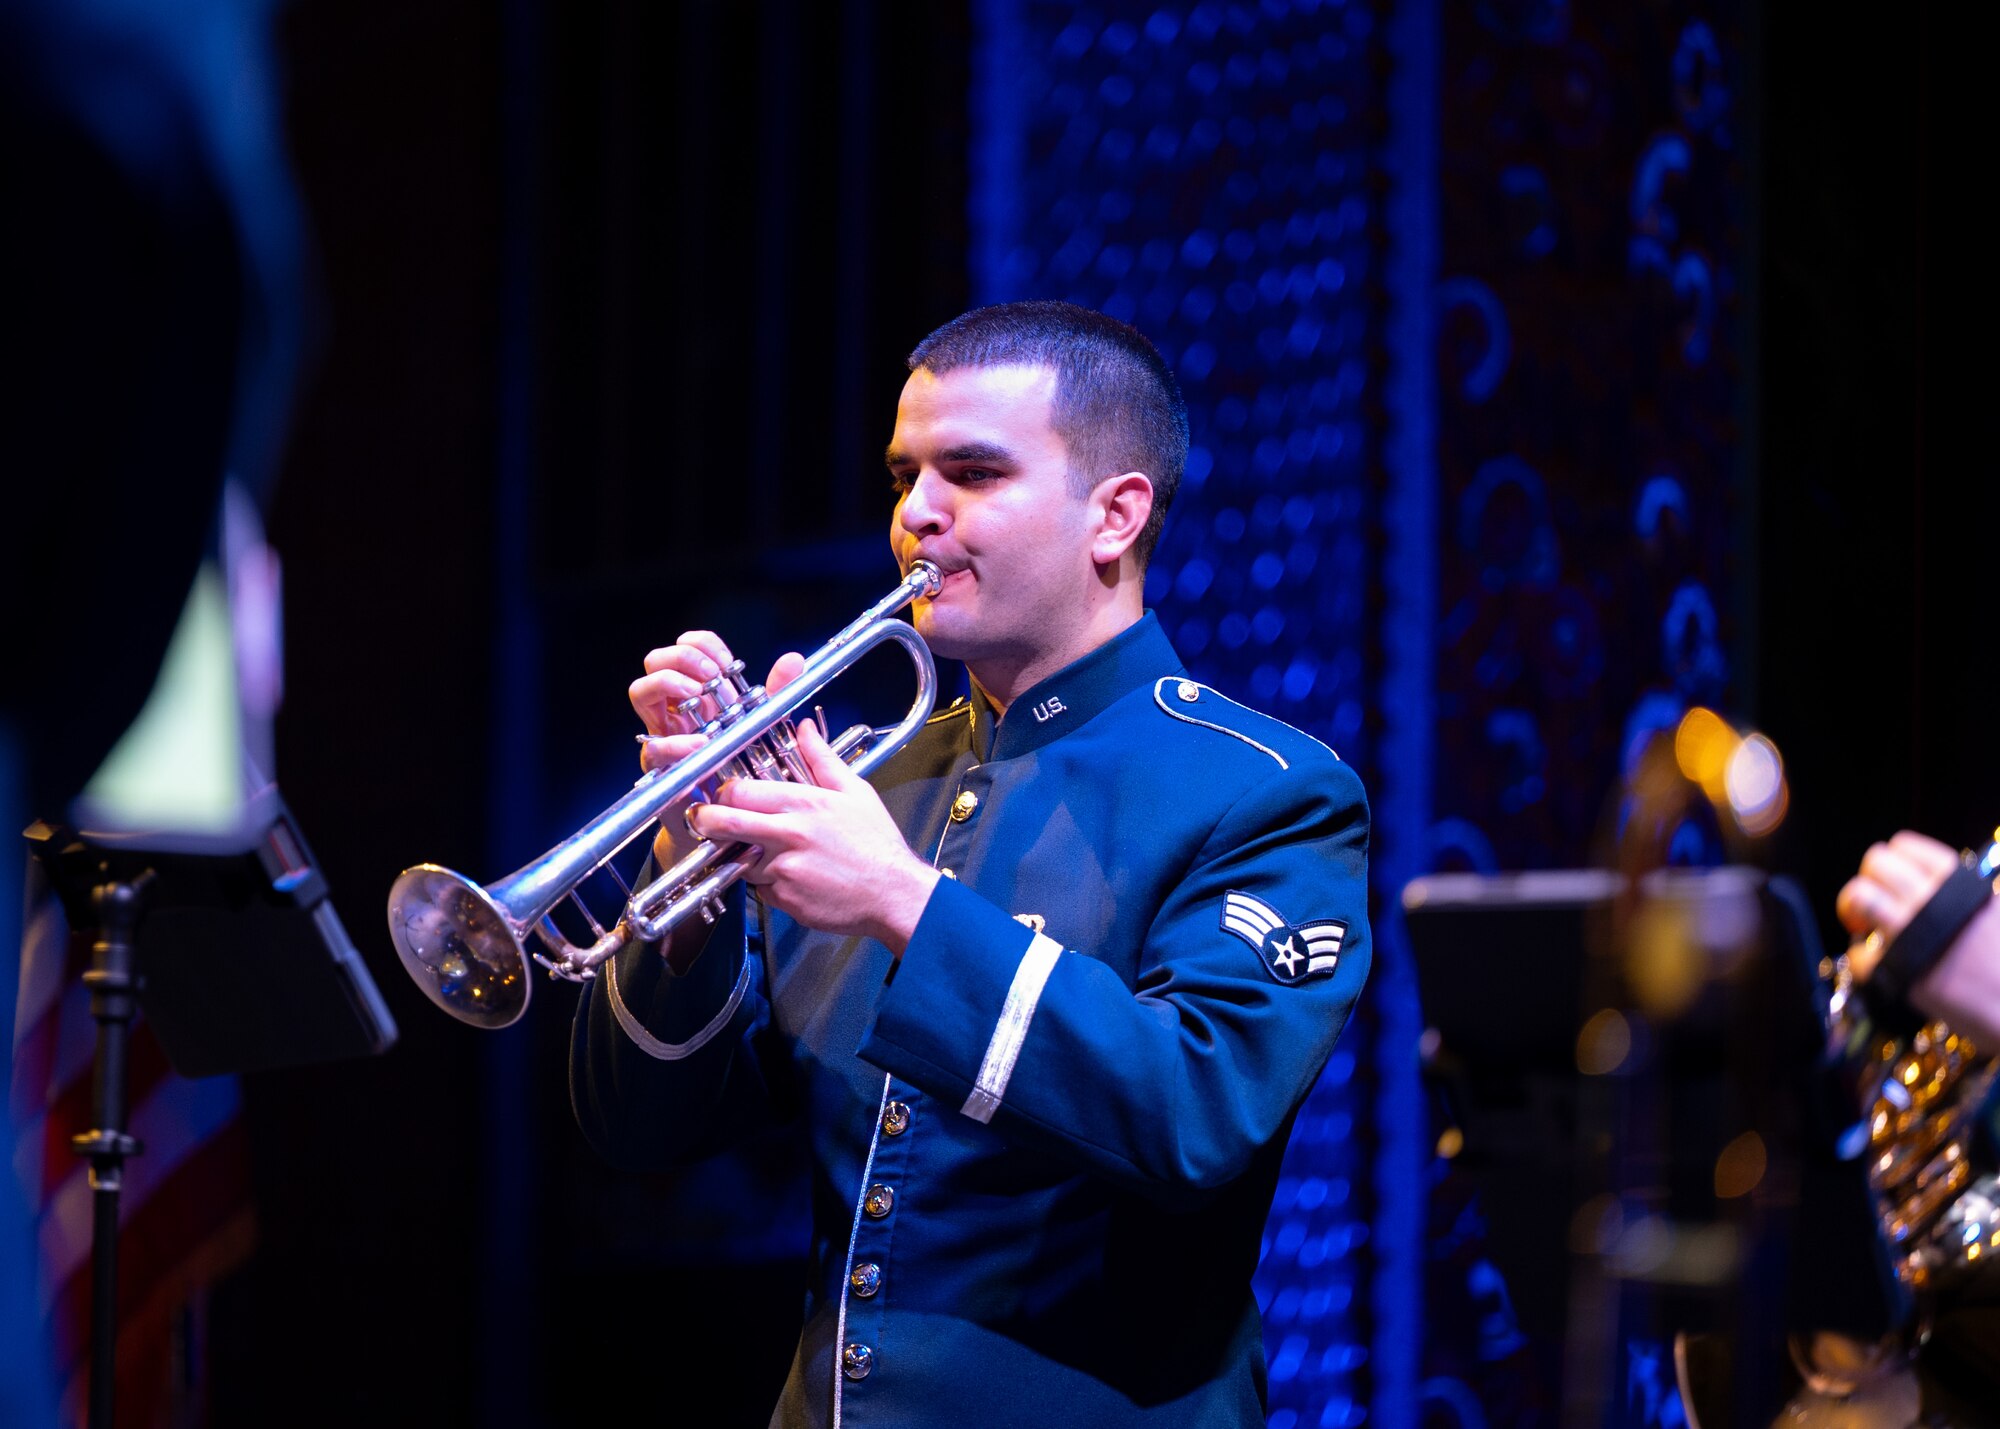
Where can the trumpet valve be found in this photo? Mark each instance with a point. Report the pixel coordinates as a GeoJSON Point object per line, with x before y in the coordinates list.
{"type": "Point", "coordinates": [784, 742]}
{"type": "Point", "coordinates": [761, 763]}
{"type": "Point", "coordinates": [738, 708]}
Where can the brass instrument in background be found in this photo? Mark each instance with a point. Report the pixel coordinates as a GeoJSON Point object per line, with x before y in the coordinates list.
{"type": "Point", "coordinates": [467, 945]}
{"type": "Point", "coordinates": [1921, 1100]}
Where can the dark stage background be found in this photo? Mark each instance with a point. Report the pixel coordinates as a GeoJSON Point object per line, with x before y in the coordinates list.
{"type": "Point", "coordinates": [1551, 368]}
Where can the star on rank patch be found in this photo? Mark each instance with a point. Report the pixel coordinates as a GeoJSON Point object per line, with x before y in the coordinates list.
{"type": "Point", "coordinates": [1293, 952]}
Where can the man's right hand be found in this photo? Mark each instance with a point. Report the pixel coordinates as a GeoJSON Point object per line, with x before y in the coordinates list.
{"type": "Point", "coordinates": [675, 673]}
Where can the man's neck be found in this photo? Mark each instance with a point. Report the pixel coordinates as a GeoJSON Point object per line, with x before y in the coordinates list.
{"type": "Point", "coordinates": [1002, 680]}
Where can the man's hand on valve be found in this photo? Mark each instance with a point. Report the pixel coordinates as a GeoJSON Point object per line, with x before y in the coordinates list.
{"type": "Point", "coordinates": [833, 858]}
{"type": "Point", "coordinates": [674, 674]}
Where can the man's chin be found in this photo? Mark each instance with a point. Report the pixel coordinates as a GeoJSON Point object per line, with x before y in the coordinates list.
{"type": "Point", "coordinates": [943, 631]}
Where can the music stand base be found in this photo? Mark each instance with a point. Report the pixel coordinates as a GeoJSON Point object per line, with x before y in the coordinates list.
{"type": "Point", "coordinates": [114, 988]}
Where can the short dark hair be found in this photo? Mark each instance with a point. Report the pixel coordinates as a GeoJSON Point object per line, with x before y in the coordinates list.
{"type": "Point", "coordinates": [1116, 406]}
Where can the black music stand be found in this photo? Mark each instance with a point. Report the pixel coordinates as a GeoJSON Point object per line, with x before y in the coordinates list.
{"type": "Point", "coordinates": [230, 944]}
{"type": "Point", "coordinates": [1511, 969]}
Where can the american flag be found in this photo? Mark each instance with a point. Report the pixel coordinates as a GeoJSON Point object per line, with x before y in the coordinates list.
{"type": "Point", "coordinates": [185, 1214]}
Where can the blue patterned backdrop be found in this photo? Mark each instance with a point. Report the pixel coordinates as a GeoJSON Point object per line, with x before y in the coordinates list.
{"type": "Point", "coordinates": [1456, 296]}
{"type": "Point", "coordinates": [1589, 318]}
{"type": "Point", "coordinates": [1209, 173]}
{"type": "Point", "coordinates": [1594, 501]}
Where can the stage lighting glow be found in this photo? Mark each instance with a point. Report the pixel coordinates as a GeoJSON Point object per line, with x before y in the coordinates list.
{"type": "Point", "coordinates": [1597, 1226]}
{"type": "Point", "coordinates": [1755, 781]}
{"type": "Point", "coordinates": [1665, 961]}
{"type": "Point", "coordinates": [1604, 1043]}
{"type": "Point", "coordinates": [1739, 1170]}
{"type": "Point", "coordinates": [1703, 746]}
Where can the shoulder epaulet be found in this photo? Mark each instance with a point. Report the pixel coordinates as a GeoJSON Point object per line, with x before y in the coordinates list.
{"type": "Point", "coordinates": [1192, 702]}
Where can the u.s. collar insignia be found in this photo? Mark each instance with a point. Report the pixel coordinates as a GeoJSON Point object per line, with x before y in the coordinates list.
{"type": "Point", "coordinates": [1293, 952]}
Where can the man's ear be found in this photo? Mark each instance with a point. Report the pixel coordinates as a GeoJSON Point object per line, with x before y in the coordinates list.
{"type": "Point", "coordinates": [1122, 505]}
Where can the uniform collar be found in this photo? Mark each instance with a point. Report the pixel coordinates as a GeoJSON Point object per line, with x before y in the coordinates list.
{"type": "Point", "coordinates": [1134, 657]}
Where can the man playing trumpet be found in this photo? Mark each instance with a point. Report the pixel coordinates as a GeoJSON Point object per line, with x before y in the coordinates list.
{"type": "Point", "coordinates": [1046, 991]}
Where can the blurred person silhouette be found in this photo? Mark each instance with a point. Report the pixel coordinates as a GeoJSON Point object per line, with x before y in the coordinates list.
{"type": "Point", "coordinates": [153, 253]}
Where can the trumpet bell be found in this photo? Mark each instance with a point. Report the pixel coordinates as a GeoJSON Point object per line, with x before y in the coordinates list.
{"type": "Point", "coordinates": [460, 946]}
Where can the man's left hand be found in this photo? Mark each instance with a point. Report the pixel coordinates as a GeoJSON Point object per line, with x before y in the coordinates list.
{"type": "Point", "coordinates": [833, 858]}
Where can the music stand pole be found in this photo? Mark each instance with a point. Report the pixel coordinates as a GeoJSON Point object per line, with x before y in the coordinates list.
{"type": "Point", "coordinates": [114, 988]}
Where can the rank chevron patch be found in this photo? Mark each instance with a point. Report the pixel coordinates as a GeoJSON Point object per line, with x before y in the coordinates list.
{"type": "Point", "coordinates": [1292, 952]}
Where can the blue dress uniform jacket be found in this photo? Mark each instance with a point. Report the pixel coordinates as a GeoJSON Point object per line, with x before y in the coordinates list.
{"type": "Point", "coordinates": [1043, 1145]}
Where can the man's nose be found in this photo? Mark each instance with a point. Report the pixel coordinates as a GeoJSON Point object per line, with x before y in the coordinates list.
{"type": "Point", "coordinates": [922, 509]}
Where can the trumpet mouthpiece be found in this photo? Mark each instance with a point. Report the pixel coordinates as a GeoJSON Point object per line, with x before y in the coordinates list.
{"type": "Point", "coordinates": [933, 578]}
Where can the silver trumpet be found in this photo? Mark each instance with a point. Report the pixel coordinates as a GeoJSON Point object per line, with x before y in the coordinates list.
{"type": "Point", "coordinates": [467, 945]}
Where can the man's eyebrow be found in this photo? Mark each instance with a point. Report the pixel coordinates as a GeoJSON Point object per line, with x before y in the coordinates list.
{"type": "Point", "coordinates": [985, 452]}
{"type": "Point", "coordinates": [968, 452]}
